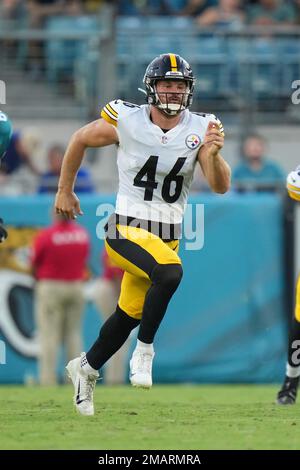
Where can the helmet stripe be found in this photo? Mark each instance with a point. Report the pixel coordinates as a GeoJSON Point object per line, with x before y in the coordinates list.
{"type": "Point", "coordinates": [173, 62]}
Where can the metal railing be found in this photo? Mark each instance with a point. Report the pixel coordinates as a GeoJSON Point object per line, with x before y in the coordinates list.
{"type": "Point", "coordinates": [55, 73]}
{"type": "Point", "coordinates": [245, 75]}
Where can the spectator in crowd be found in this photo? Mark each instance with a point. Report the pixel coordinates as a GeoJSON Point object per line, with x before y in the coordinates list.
{"type": "Point", "coordinates": [59, 260]}
{"type": "Point", "coordinates": [18, 154]}
{"type": "Point", "coordinates": [49, 180]}
{"type": "Point", "coordinates": [256, 171]}
{"type": "Point", "coordinates": [271, 12]}
{"type": "Point", "coordinates": [197, 7]}
{"type": "Point", "coordinates": [11, 9]}
{"type": "Point", "coordinates": [228, 14]}
{"type": "Point", "coordinates": [81, 7]}
{"type": "Point", "coordinates": [150, 7]}
{"type": "Point", "coordinates": [296, 4]}
{"type": "Point", "coordinates": [93, 6]}
{"type": "Point", "coordinates": [106, 294]}
{"type": "Point", "coordinates": [74, 7]}
{"type": "Point", "coordinates": [40, 10]}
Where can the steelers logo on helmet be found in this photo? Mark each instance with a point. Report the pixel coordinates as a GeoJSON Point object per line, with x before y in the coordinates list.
{"type": "Point", "coordinates": [169, 67]}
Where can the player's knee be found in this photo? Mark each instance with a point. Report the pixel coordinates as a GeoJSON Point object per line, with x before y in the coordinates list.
{"type": "Point", "coordinates": [118, 321]}
{"type": "Point", "coordinates": [169, 275]}
{"type": "Point", "coordinates": [125, 319]}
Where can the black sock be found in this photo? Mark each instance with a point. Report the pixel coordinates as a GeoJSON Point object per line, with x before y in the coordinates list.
{"type": "Point", "coordinates": [112, 336]}
{"type": "Point", "coordinates": [294, 344]}
{"type": "Point", "coordinates": [165, 280]}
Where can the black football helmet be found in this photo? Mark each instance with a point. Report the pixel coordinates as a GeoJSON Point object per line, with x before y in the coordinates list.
{"type": "Point", "coordinates": [169, 67]}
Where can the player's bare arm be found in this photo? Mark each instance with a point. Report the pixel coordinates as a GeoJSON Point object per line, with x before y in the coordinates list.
{"type": "Point", "coordinates": [98, 133]}
{"type": "Point", "coordinates": [215, 168]}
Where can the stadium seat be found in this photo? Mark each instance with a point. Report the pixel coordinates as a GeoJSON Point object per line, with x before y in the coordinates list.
{"type": "Point", "coordinates": [288, 55]}
{"type": "Point", "coordinates": [62, 54]}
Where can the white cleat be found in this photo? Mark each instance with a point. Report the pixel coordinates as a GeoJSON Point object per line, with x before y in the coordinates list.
{"type": "Point", "coordinates": [141, 369]}
{"type": "Point", "coordinates": [84, 387]}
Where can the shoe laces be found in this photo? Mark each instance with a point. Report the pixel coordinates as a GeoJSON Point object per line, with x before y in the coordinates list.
{"type": "Point", "coordinates": [144, 362]}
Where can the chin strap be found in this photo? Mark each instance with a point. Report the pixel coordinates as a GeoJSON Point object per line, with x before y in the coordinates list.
{"type": "Point", "coordinates": [142, 91]}
{"type": "Point", "coordinates": [172, 109]}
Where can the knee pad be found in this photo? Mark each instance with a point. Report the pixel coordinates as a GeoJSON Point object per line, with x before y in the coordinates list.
{"type": "Point", "coordinates": [167, 274]}
{"type": "Point", "coordinates": [125, 320]}
{"type": "Point", "coordinates": [118, 321]}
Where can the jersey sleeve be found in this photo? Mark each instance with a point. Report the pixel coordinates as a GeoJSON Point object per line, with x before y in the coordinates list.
{"type": "Point", "coordinates": [111, 112]}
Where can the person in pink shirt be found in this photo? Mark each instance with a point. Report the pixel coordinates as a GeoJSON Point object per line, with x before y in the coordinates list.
{"type": "Point", "coordinates": [59, 262]}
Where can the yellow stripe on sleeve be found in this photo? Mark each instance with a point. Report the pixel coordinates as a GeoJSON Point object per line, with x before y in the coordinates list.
{"type": "Point", "coordinates": [111, 109]}
{"type": "Point", "coordinates": [109, 119]}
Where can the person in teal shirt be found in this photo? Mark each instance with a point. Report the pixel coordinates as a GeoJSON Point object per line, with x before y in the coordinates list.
{"type": "Point", "coordinates": [270, 12]}
{"type": "Point", "coordinates": [5, 135]}
{"type": "Point", "coordinates": [256, 172]}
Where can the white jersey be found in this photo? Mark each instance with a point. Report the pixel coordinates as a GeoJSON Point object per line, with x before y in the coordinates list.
{"type": "Point", "coordinates": [155, 167]}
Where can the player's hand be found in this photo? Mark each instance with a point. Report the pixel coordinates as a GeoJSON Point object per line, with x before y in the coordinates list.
{"type": "Point", "coordinates": [213, 138]}
{"type": "Point", "coordinates": [3, 232]}
{"type": "Point", "coordinates": [67, 204]}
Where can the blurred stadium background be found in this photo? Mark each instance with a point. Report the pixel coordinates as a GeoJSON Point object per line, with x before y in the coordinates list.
{"type": "Point", "coordinates": [228, 322]}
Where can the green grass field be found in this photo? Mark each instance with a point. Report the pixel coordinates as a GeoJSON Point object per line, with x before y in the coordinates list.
{"type": "Point", "coordinates": [166, 417]}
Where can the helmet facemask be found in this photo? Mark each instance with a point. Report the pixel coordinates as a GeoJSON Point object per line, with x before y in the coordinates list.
{"type": "Point", "coordinates": [169, 108]}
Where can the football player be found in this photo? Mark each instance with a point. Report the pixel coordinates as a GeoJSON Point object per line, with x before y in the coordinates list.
{"type": "Point", "coordinates": [288, 393]}
{"type": "Point", "coordinates": [159, 144]}
{"type": "Point", "coordinates": [5, 135]}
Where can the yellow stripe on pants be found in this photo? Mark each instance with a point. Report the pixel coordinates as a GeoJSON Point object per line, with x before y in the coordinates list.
{"type": "Point", "coordinates": [297, 308]}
